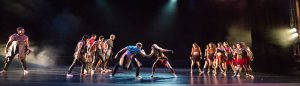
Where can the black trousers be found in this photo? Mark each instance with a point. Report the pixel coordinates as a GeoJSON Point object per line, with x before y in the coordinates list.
{"type": "Point", "coordinates": [74, 63]}
{"type": "Point", "coordinates": [138, 68]}
{"type": "Point", "coordinates": [10, 58]}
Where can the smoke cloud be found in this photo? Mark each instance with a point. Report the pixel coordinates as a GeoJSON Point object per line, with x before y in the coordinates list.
{"type": "Point", "coordinates": [44, 56]}
{"type": "Point", "coordinates": [239, 33]}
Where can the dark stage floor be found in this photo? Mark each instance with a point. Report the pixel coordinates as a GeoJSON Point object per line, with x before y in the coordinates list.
{"type": "Point", "coordinates": [57, 77]}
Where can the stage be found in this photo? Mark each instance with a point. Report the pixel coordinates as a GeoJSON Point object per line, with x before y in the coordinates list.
{"type": "Point", "coordinates": [57, 77]}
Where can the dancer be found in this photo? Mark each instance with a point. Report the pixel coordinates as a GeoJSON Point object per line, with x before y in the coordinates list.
{"type": "Point", "coordinates": [18, 44]}
{"type": "Point", "coordinates": [209, 56]}
{"type": "Point", "coordinates": [161, 58]}
{"type": "Point", "coordinates": [229, 56]}
{"type": "Point", "coordinates": [241, 56]}
{"type": "Point", "coordinates": [220, 59]}
{"type": "Point", "coordinates": [108, 52]}
{"type": "Point", "coordinates": [128, 56]}
{"type": "Point", "coordinates": [91, 54]}
{"type": "Point", "coordinates": [248, 61]}
{"type": "Point", "coordinates": [100, 53]}
{"type": "Point", "coordinates": [80, 52]}
{"type": "Point", "coordinates": [196, 56]}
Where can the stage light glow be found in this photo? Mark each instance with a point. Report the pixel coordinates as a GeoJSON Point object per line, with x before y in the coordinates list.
{"type": "Point", "coordinates": [284, 37]}
{"type": "Point", "coordinates": [293, 36]}
{"type": "Point", "coordinates": [173, 1]}
{"type": "Point", "coordinates": [166, 16]}
{"type": "Point", "coordinates": [293, 30]}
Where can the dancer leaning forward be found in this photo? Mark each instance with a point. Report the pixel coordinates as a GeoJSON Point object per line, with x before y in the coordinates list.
{"type": "Point", "coordinates": [128, 56]}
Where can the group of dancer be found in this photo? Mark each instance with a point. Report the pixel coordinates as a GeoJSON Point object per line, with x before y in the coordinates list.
{"type": "Point", "coordinates": [95, 55]}
{"type": "Point", "coordinates": [220, 55]}
{"type": "Point", "coordinates": [88, 51]}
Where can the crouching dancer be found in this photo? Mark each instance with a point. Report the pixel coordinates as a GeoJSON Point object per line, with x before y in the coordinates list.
{"type": "Point", "coordinates": [161, 58]}
{"type": "Point", "coordinates": [128, 56]}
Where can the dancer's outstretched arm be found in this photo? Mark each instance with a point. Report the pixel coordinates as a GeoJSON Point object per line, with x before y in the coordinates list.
{"type": "Point", "coordinates": [122, 50]}
{"type": "Point", "coordinates": [163, 50]}
{"type": "Point", "coordinates": [143, 53]}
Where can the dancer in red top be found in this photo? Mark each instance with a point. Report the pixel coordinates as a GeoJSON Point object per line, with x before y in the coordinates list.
{"type": "Point", "coordinates": [241, 58]}
{"type": "Point", "coordinates": [209, 56]}
{"type": "Point", "coordinates": [248, 61]}
{"type": "Point", "coordinates": [196, 56]}
{"type": "Point", "coordinates": [229, 56]}
{"type": "Point", "coordinates": [161, 58]}
{"type": "Point", "coordinates": [220, 58]}
{"type": "Point", "coordinates": [91, 54]}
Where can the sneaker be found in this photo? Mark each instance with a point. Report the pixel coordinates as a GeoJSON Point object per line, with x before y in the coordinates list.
{"type": "Point", "coordinates": [69, 75]}
{"type": "Point", "coordinates": [26, 72]}
{"type": "Point", "coordinates": [152, 76]}
{"type": "Point", "coordinates": [175, 76]}
{"type": "Point", "coordinates": [138, 76]}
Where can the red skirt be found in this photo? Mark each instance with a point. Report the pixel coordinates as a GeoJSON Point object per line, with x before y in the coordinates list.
{"type": "Point", "coordinates": [241, 61]}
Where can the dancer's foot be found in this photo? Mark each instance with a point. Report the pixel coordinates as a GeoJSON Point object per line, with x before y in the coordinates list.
{"type": "Point", "coordinates": [82, 74]}
{"type": "Point", "coordinates": [224, 74]}
{"type": "Point", "coordinates": [69, 75]}
{"type": "Point", "coordinates": [3, 71]}
{"type": "Point", "coordinates": [92, 72]}
{"type": "Point", "coordinates": [26, 72]}
{"type": "Point", "coordinates": [138, 76]}
{"type": "Point", "coordinates": [200, 71]}
{"type": "Point", "coordinates": [174, 75]}
{"type": "Point", "coordinates": [238, 75]}
{"type": "Point", "coordinates": [85, 72]}
{"type": "Point", "coordinates": [251, 76]}
{"type": "Point", "coordinates": [234, 75]}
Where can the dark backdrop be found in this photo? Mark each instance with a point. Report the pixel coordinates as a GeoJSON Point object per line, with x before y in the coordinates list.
{"type": "Point", "coordinates": [61, 23]}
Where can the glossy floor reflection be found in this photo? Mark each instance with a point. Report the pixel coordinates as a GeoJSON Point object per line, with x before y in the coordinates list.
{"type": "Point", "coordinates": [56, 76]}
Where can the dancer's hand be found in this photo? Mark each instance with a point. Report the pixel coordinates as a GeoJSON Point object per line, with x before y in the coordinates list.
{"type": "Point", "coordinates": [5, 51]}
{"type": "Point", "coordinates": [28, 51]}
{"type": "Point", "coordinates": [172, 51]}
{"type": "Point", "coordinates": [116, 56]}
